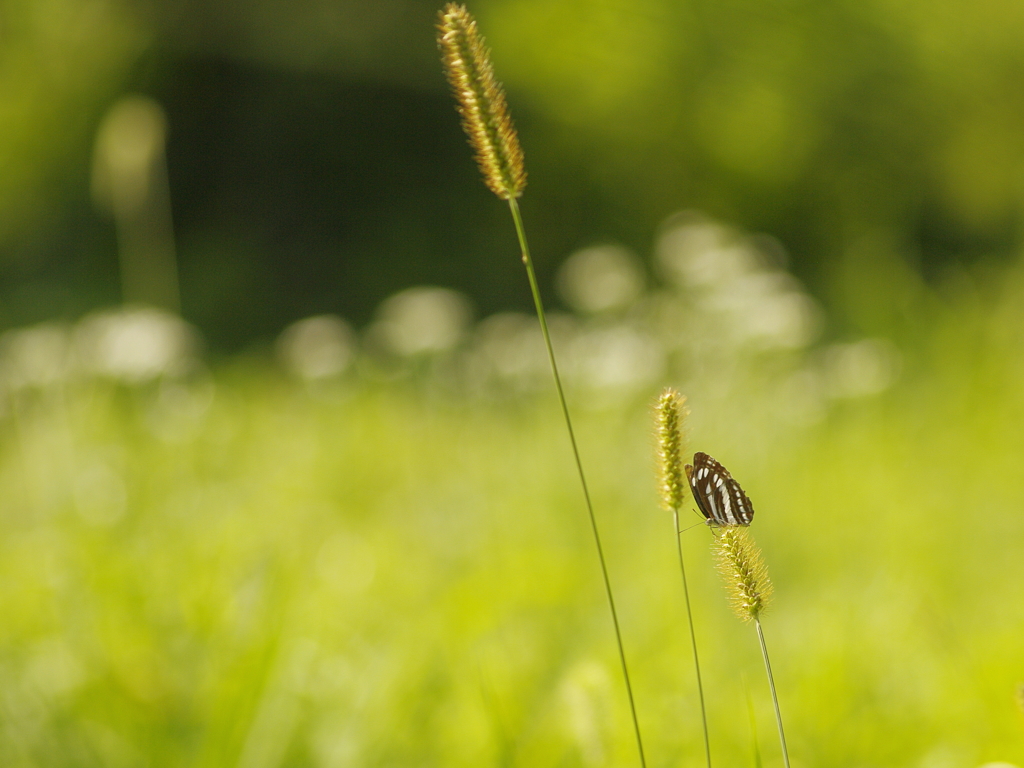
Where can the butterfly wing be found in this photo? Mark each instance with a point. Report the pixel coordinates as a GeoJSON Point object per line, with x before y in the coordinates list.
{"type": "Point", "coordinates": [695, 487]}
{"type": "Point", "coordinates": [742, 508]}
{"type": "Point", "coordinates": [719, 497]}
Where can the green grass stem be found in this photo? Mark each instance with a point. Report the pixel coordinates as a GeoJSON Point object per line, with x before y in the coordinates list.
{"type": "Point", "coordinates": [771, 685]}
{"type": "Point", "coordinates": [693, 636]}
{"type": "Point", "coordinates": [535, 290]}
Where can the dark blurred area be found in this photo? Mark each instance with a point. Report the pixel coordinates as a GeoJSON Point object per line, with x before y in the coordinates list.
{"type": "Point", "coordinates": [314, 162]}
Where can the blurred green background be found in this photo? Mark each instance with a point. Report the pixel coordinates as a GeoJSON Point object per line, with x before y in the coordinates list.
{"type": "Point", "coordinates": [283, 481]}
{"type": "Point", "coordinates": [315, 166]}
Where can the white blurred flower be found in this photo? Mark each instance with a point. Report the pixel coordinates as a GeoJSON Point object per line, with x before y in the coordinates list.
{"type": "Point", "coordinates": [768, 309]}
{"type": "Point", "coordinates": [508, 349]}
{"type": "Point", "coordinates": [737, 296]}
{"type": "Point", "coordinates": [422, 320]}
{"type": "Point", "coordinates": [617, 357]}
{"type": "Point", "coordinates": [600, 279]}
{"type": "Point", "coordinates": [35, 357]}
{"type": "Point", "coordinates": [136, 344]}
{"type": "Point", "coordinates": [318, 347]}
{"type": "Point", "coordinates": [510, 342]}
{"type": "Point", "coordinates": [694, 250]}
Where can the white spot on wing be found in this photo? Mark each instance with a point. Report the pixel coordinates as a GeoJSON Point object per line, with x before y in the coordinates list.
{"type": "Point", "coordinates": [727, 514]}
{"type": "Point", "coordinates": [712, 502]}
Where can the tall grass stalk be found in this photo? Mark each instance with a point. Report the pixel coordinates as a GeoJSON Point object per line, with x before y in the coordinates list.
{"type": "Point", "coordinates": [492, 135]}
{"type": "Point", "coordinates": [771, 685]}
{"type": "Point", "coordinates": [669, 416]}
{"type": "Point", "coordinates": [746, 579]}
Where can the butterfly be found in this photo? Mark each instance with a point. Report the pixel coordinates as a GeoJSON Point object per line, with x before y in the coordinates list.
{"type": "Point", "coordinates": [718, 496]}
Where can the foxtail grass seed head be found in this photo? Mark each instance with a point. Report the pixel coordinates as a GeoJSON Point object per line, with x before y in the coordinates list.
{"type": "Point", "coordinates": [485, 119]}
{"type": "Point", "coordinates": [746, 577]}
{"type": "Point", "coordinates": [670, 414]}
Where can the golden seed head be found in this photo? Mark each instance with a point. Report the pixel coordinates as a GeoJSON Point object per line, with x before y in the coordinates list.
{"type": "Point", "coordinates": [670, 413]}
{"type": "Point", "coordinates": [485, 118]}
{"type": "Point", "coordinates": [746, 577]}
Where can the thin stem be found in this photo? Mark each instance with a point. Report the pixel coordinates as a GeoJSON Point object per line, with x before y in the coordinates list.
{"type": "Point", "coordinates": [771, 684]}
{"type": "Point", "coordinates": [528, 263]}
{"type": "Point", "coordinates": [693, 636]}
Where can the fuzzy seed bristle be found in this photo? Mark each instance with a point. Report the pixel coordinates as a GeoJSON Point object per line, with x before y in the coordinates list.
{"type": "Point", "coordinates": [670, 413]}
{"type": "Point", "coordinates": [742, 566]}
{"type": "Point", "coordinates": [485, 117]}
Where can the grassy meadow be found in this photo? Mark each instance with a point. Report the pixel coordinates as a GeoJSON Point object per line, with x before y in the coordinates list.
{"type": "Point", "coordinates": [367, 547]}
{"type": "Point", "coordinates": [392, 566]}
